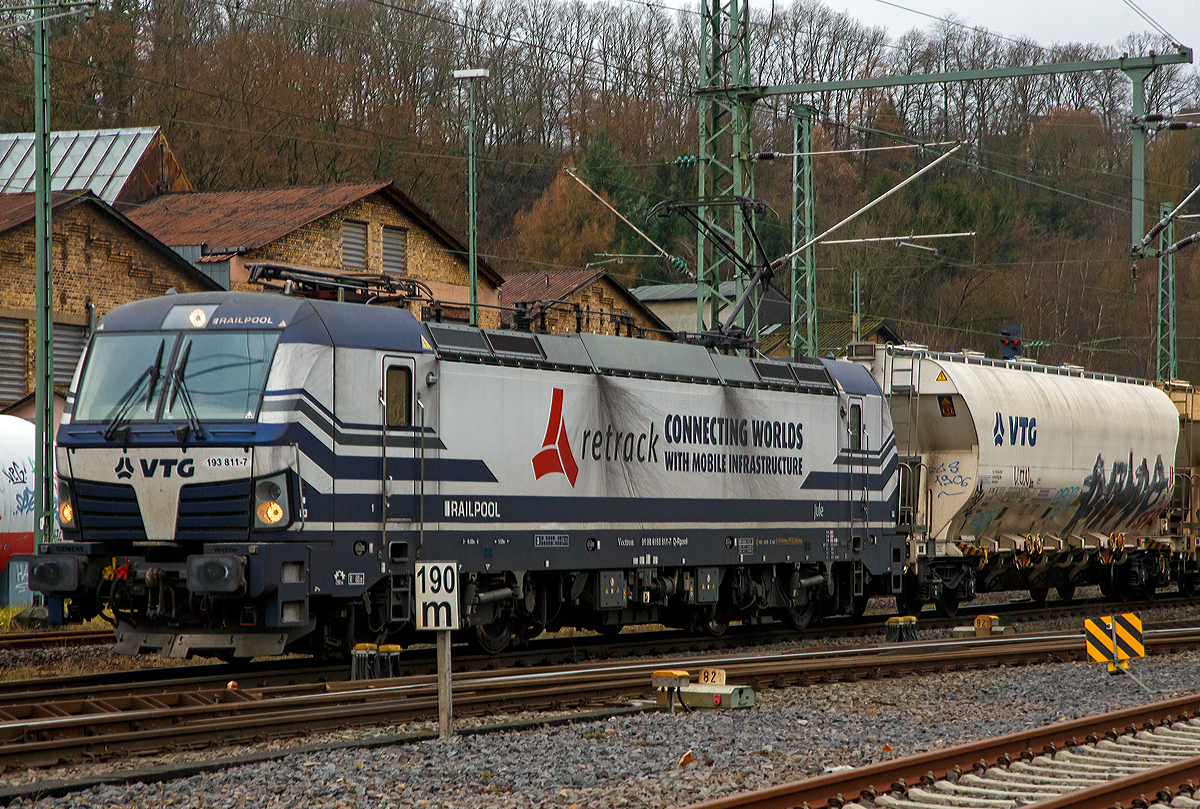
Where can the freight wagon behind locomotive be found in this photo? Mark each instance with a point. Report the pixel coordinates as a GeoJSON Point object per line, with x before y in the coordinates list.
{"type": "Point", "coordinates": [243, 474]}
{"type": "Point", "coordinates": [1021, 476]}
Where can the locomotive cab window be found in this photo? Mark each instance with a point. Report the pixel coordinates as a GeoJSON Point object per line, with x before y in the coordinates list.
{"type": "Point", "coordinates": [855, 427]}
{"type": "Point", "coordinates": [398, 395]}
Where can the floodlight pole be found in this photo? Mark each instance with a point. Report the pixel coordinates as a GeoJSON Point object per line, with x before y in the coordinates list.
{"type": "Point", "coordinates": [472, 228]}
{"type": "Point", "coordinates": [43, 464]}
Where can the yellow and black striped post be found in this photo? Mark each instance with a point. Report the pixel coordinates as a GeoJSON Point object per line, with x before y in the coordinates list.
{"type": "Point", "coordinates": [1114, 639]}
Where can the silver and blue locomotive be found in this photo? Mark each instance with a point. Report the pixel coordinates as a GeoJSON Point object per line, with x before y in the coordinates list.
{"type": "Point", "coordinates": [246, 474]}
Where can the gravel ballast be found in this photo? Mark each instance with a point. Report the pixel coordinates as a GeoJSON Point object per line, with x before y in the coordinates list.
{"type": "Point", "coordinates": [633, 761]}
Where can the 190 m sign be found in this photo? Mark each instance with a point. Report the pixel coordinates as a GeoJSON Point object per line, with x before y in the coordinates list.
{"type": "Point", "coordinates": [437, 595]}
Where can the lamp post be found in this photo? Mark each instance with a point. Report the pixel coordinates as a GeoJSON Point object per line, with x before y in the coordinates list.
{"type": "Point", "coordinates": [472, 231]}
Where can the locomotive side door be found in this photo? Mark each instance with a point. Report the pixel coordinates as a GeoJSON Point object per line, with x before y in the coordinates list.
{"type": "Point", "coordinates": [400, 442]}
{"type": "Point", "coordinates": [856, 468]}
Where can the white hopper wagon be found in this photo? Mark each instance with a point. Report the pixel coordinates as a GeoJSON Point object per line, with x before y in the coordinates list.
{"type": "Point", "coordinates": [1016, 475]}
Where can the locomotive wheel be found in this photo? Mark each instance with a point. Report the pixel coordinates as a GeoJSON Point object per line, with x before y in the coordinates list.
{"type": "Point", "coordinates": [1187, 585]}
{"type": "Point", "coordinates": [610, 630]}
{"type": "Point", "coordinates": [907, 604]}
{"type": "Point", "coordinates": [859, 605]}
{"type": "Point", "coordinates": [716, 622]}
{"type": "Point", "coordinates": [801, 617]}
{"type": "Point", "coordinates": [947, 605]}
{"type": "Point", "coordinates": [1038, 595]}
{"type": "Point", "coordinates": [492, 638]}
{"type": "Point", "coordinates": [1066, 591]}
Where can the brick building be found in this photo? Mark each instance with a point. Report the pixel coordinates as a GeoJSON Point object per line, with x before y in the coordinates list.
{"type": "Point", "coordinates": [567, 301]}
{"type": "Point", "coordinates": [100, 260]}
{"type": "Point", "coordinates": [363, 227]}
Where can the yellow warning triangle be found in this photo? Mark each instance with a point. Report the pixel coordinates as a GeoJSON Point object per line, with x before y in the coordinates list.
{"type": "Point", "coordinates": [941, 377]}
{"type": "Point", "coordinates": [425, 344]}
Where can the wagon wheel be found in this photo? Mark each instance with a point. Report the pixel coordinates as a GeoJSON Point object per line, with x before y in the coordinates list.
{"type": "Point", "coordinates": [1039, 594]}
{"type": "Point", "coordinates": [610, 630]}
{"type": "Point", "coordinates": [947, 604]}
{"type": "Point", "coordinates": [1066, 591]}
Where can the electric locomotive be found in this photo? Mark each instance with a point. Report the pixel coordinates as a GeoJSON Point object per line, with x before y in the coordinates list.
{"type": "Point", "coordinates": [245, 474]}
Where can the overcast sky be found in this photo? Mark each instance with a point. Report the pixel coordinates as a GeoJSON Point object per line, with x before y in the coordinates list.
{"type": "Point", "coordinates": [1103, 22]}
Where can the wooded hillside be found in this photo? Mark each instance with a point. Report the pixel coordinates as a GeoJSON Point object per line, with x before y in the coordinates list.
{"type": "Point", "coordinates": [268, 92]}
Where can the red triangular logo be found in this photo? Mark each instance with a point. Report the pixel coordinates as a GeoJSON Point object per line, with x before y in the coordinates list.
{"type": "Point", "coordinates": [555, 455]}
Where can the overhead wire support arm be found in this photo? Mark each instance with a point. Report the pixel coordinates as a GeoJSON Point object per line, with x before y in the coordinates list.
{"type": "Point", "coordinates": [677, 263]}
{"type": "Point", "coordinates": [1166, 220]}
{"type": "Point", "coordinates": [910, 238]}
{"type": "Point", "coordinates": [894, 189]}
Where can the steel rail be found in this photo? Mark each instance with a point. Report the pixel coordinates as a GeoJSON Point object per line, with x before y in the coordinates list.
{"type": "Point", "coordinates": [878, 778]}
{"type": "Point", "coordinates": [55, 638]}
{"type": "Point", "coordinates": [40, 734]}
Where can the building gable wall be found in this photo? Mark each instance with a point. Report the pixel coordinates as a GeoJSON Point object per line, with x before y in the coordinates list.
{"type": "Point", "coordinates": [96, 260]}
{"type": "Point", "coordinates": [319, 245]}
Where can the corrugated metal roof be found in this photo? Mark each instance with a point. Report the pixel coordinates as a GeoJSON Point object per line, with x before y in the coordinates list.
{"type": "Point", "coordinates": [99, 160]}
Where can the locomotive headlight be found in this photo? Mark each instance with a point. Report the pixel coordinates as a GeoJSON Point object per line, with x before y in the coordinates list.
{"type": "Point", "coordinates": [66, 506]}
{"type": "Point", "coordinates": [271, 502]}
{"type": "Point", "coordinates": [269, 512]}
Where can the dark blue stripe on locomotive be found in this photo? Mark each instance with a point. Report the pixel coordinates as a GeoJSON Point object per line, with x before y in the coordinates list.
{"type": "Point", "coordinates": [537, 510]}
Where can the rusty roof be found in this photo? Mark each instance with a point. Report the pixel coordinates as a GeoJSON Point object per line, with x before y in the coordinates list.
{"type": "Point", "coordinates": [559, 285]}
{"type": "Point", "coordinates": [556, 285]}
{"type": "Point", "coordinates": [254, 217]}
{"type": "Point", "coordinates": [17, 210]}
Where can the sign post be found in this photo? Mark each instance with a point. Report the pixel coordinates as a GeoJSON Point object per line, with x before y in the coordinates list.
{"type": "Point", "coordinates": [437, 610]}
{"type": "Point", "coordinates": [1115, 640]}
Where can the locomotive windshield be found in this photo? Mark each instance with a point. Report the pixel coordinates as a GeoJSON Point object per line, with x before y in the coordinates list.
{"type": "Point", "coordinates": [221, 375]}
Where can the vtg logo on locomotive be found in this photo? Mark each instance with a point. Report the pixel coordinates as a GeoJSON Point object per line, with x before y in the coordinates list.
{"type": "Point", "coordinates": [152, 466]}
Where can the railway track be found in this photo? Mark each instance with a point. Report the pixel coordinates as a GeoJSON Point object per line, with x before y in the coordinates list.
{"type": "Point", "coordinates": [557, 649]}
{"type": "Point", "coordinates": [1115, 759]}
{"type": "Point", "coordinates": [36, 731]}
{"type": "Point", "coordinates": [55, 638]}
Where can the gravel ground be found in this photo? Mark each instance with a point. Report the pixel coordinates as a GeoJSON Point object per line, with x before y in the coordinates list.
{"type": "Point", "coordinates": [634, 761]}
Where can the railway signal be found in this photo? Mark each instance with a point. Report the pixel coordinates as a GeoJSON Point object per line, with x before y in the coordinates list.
{"type": "Point", "coordinates": [1010, 336]}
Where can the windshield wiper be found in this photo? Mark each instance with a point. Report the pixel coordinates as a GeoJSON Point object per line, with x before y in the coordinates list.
{"type": "Point", "coordinates": [119, 416]}
{"type": "Point", "coordinates": [180, 391]}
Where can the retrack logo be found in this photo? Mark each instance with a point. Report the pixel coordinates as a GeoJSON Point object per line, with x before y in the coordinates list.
{"type": "Point", "coordinates": [555, 455]}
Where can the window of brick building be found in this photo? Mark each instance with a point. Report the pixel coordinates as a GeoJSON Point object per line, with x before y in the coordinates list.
{"type": "Point", "coordinates": [69, 342]}
{"type": "Point", "coordinates": [395, 248]}
{"type": "Point", "coordinates": [354, 245]}
{"type": "Point", "coordinates": [12, 360]}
